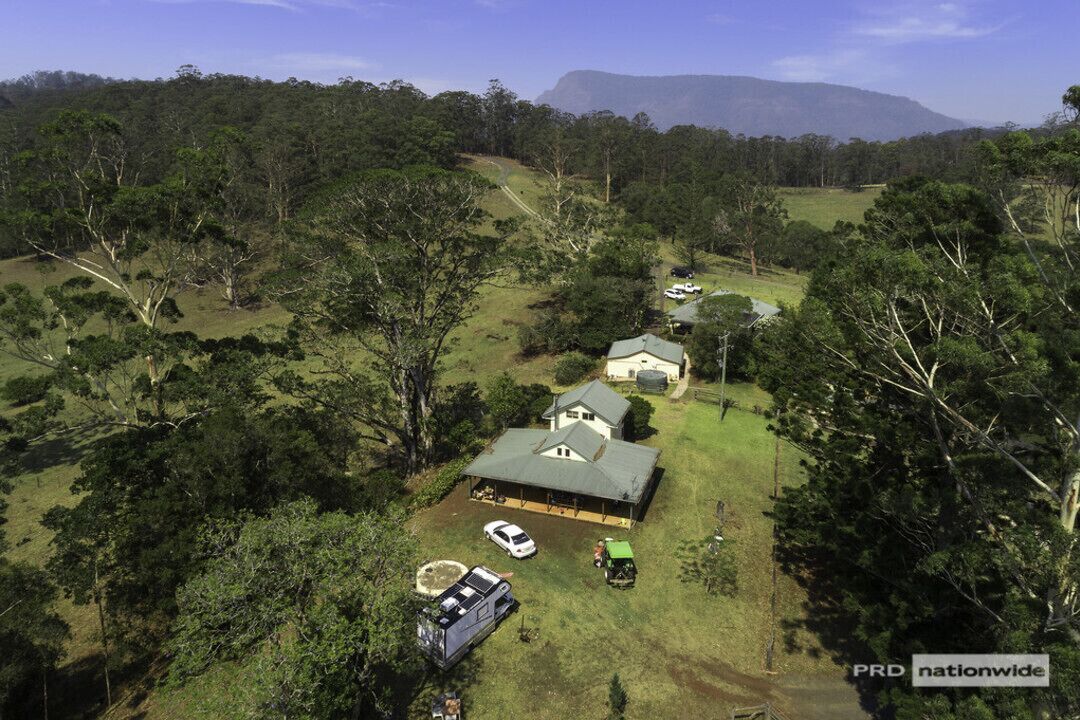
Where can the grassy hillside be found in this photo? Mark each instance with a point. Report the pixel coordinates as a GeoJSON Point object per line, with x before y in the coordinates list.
{"type": "Point", "coordinates": [824, 206]}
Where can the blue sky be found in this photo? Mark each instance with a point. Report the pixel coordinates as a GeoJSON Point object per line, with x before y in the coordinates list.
{"type": "Point", "coordinates": [991, 60]}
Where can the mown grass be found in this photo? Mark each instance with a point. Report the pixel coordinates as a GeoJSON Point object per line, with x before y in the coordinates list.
{"type": "Point", "coordinates": [824, 206]}
{"type": "Point", "coordinates": [673, 645]}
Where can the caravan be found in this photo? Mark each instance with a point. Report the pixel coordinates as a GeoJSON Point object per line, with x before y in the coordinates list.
{"type": "Point", "coordinates": [463, 615]}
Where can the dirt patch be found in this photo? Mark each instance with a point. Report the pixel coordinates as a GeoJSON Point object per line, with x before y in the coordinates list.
{"type": "Point", "coordinates": [685, 677]}
{"type": "Point", "coordinates": [551, 532]}
{"type": "Point", "coordinates": [761, 686]}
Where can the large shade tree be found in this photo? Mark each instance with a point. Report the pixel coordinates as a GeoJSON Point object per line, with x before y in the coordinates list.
{"type": "Point", "coordinates": [388, 265]}
{"type": "Point", "coordinates": [318, 608]}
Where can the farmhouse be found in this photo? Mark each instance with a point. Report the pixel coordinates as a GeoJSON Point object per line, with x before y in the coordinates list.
{"type": "Point", "coordinates": [627, 358]}
{"type": "Point", "coordinates": [594, 404]}
{"type": "Point", "coordinates": [574, 471]}
{"type": "Point", "coordinates": [685, 316]}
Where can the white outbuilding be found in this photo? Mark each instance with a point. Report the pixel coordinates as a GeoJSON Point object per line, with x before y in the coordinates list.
{"type": "Point", "coordinates": [627, 358]}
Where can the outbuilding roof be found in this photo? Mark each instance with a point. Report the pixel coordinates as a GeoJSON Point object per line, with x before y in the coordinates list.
{"type": "Point", "coordinates": [617, 470]}
{"type": "Point", "coordinates": [647, 343]}
{"type": "Point", "coordinates": [686, 314]}
{"type": "Point", "coordinates": [598, 397]}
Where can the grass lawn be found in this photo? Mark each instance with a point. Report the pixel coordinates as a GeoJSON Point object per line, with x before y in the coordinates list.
{"type": "Point", "coordinates": [774, 285]}
{"type": "Point", "coordinates": [679, 652]}
{"type": "Point", "coordinates": [824, 206]}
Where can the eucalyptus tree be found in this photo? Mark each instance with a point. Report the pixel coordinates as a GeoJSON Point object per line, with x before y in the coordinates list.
{"type": "Point", "coordinates": [130, 246]}
{"type": "Point", "coordinates": [386, 267]}
{"type": "Point", "coordinates": [932, 375]}
{"type": "Point", "coordinates": [751, 215]}
{"type": "Point", "coordinates": [225, 175]}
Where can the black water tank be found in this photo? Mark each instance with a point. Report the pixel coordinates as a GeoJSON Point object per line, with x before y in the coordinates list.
{"type": "Point", "coordinates": [652, 381]}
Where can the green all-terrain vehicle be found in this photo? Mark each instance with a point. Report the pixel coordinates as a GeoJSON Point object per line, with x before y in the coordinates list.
{"type": "Point", "coordinates": [618, 563]}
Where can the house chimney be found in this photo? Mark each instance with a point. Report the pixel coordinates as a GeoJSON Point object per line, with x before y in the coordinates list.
{"type": "Point", "coordinates": [555, 412]}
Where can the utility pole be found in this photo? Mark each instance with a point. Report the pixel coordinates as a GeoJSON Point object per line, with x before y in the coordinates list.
{"type": "Point", "coordinates": [721, 353]}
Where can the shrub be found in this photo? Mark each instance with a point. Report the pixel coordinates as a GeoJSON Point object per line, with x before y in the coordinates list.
{"type": "Point", "coordinates": [459, 415]}
{"type": "Point", "coordinates": [540, 397]}
{"type": "Point", "coordinates": [530, 340]}
{"type": "Point", "coordinates": [617, 698]}
{"type": "Point", "coordinates": [637, 421]}
{"type": "Point", "coordinates": [380, 488]}
{"type": "Point", "coordinates": [26, 389]}
{"type": "Point", "coordinates": [513, 405]}
{"type": "Point", "coordinates": [440, 486]}
{"type": "Point", "coordinates": [573, 366]}
{"type": "Point", "coordinates": [506, 401]}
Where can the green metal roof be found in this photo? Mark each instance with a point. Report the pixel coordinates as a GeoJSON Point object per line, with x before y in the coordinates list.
{"type": "Point", "coordinates": [619, 550]}
{"type": "Point", "coordinates": [647, 343]}
{"type": "Point", "coordinates": [617, 470]}
{"type": "Point", "coordinates": [686, 314]}
{"type": "Point", "coordinates": [598, 397]}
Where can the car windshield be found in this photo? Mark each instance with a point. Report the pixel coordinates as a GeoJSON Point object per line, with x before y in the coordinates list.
{"type": "Point", "coordinates": [520, 539]}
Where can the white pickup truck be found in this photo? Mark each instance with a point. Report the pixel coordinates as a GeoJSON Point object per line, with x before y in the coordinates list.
{"type": "Point", "coordinates": [687, 287]}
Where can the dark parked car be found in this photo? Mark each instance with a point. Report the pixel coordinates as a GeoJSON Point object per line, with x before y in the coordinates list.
{"type": "Point", "coordinates": [682, 272]}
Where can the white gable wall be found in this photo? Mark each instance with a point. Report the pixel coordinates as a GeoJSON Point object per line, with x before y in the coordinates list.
{"type": "Point", "coordinates": [597, 423]}
{"type": "Point", "coordinates": [567, 453]}
{"type": "Point", "coordinates": [626, 369]}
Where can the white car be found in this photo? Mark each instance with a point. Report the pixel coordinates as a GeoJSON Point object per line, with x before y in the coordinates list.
{"type": "Point", "coordinates": [687, 288]}
{"type": "Point", "coordinates": [675, 294]}
{"type": "Point", "coordinates": [515, 541]}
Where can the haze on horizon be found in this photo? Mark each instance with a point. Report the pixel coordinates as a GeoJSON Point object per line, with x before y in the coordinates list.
{"type": "Point", "coordinates": [987, 61]}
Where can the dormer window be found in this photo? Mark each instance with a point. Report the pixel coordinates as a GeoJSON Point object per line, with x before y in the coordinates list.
{"type": "Point", "coordinates": [562, 452]}
{"type": "Point", "coordinates": [588, 416]}
{"type": "Point", "coordinates": [572, 414]}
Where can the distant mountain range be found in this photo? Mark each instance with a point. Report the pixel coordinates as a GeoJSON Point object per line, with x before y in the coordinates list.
{"type": "Point", "coordinates": [748, 106]}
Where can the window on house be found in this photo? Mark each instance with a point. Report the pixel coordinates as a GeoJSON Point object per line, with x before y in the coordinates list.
{"type": "Point", "coordinates": [588, 416]}
{"type": "Point", "coordinates": [572, 414]}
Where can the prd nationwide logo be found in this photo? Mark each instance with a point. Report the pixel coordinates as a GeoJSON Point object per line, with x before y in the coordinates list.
{"type": "Point", "coordinates": [967, 670]}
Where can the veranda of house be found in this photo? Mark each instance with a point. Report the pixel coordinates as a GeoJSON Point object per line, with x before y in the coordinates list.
{"type": "Point", "coordinates": [587, 508]}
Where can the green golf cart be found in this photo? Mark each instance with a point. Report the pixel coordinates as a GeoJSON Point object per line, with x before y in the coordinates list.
{"type": "Point", "coordinates": [617, 560]}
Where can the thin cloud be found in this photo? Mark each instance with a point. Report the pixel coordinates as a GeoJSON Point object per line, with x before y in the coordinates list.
{"type": "Point", "coordinates": [915, 23]}
{"type": "Point", "coordinates": [291, 5]}
{"type": "Point", "coordinates": [302, 63]}
{"type": "Point", "coordinates": [282, 4]}
{"type": "Point", "coordinates": [719, 19]}
{"type": "Point", "coordinates": [860, 52]}
{"type": "Point", "coordinates": [818, 68]}
{"type": "Point", "coordinates": [496, 4]}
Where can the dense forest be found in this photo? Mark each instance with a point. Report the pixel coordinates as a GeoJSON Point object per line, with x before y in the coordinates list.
{"type": "Point", "coordinates": [301, 134]}
{"type": "Point", "coordinates": [242, 498]}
